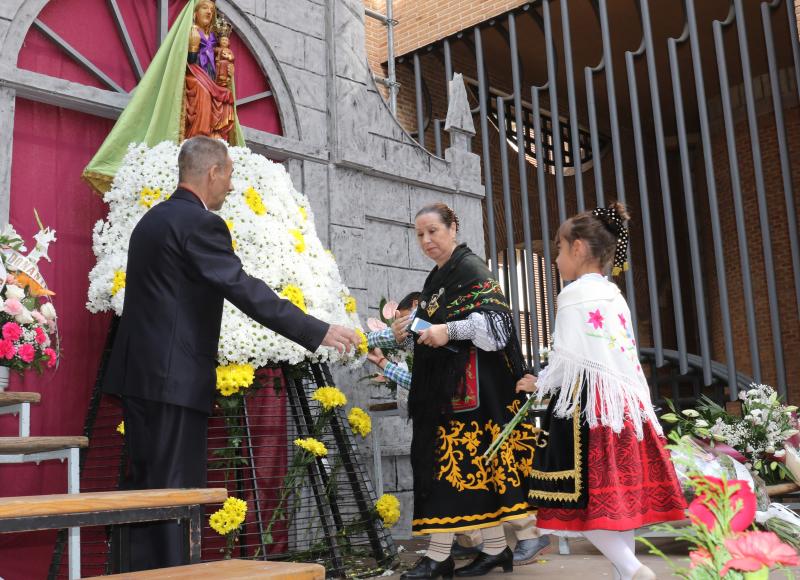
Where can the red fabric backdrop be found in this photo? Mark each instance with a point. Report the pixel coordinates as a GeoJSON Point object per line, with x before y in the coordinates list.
{"type": "Point", "coordinates": [51, 148]}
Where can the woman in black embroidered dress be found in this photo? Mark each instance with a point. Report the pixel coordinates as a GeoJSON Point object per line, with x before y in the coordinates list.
{"type": "Point", "coordinates": [462, 393]}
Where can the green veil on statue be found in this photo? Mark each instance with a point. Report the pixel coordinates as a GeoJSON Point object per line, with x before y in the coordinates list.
{"type": "Point", "coordinates": [187, 90]}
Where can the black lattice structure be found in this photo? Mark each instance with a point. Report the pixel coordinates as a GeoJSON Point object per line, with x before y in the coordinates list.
{"type": "Point", "coordinates": [329, 518]}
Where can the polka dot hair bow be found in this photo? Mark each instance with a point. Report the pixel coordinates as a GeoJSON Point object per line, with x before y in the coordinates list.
{"type": "Point", "coordinates": [616, 225]}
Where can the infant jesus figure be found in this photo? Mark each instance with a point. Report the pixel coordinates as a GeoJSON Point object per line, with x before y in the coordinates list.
{"type": "Point", "coordinates": [224, 61]}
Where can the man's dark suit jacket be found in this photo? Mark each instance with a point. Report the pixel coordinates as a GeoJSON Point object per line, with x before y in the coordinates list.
{"type": "Point", "coordinates": [180, 268]}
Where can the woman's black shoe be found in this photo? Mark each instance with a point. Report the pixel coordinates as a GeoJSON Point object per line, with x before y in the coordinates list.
{"type": "Point", "coordinates": [485, 563]}
{"type": "Point", "coordinates": [427, 568]}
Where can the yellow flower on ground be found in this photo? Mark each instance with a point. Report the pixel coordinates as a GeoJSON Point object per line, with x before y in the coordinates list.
{"type": "Point", "coordinates": [303, 212]}
{"type": "Point", "coordinates": [229, 517]}
{"type": "Point", "coordinates": [362, 344]}
{"type": "Point", "coordinates": [254, 201]}
{"type": "Point", "coordinates": [294, 295]}
{"type": "Point", "coordinates": [148, 197]}
{"type": "Point", "coordinates": [299, 241]}
{"type": "Point", "coordinates": [360, 421]}
{"type": "Point", "coordinates": [232, 378]}
{"type": "Point", "coordinates": [121, 428]}
{"type": "Point", "coordinates": [118, 283]}
{"type": "Point", "coordinates": [329, 398]}
{"type": "Point", "coordinates": [312, 445]}
{"type": "Point", "coordinates": [350, 305]}
{"type": "Point", "coordinates": [388, 508]}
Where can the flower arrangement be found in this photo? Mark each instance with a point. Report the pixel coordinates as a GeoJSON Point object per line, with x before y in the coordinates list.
{"type": "Point", "coordinates": [388, 509]}
{"type": "Point", "coordinates": [723, 541]}
{"type": "Point", "coordinates": [360, 421]}
{"type": "Point", "coordinates": [228, 520]}
{"type": "Point", "coordinates": [329, 397]}
{"type": "Point", "coordinates": [28, 330]}
{"type": "Point", "coordinates": [760, 438]}
{"type": "Point", "coordinates": [267, 217]}
{"type": "Point", "coordinates": [312, 446]}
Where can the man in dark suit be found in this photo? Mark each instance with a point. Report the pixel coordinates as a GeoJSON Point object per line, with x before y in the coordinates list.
{"type": "Point", "coordinates": [163, 364]}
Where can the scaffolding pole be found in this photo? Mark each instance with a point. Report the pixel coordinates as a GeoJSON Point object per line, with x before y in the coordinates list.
{"type": "Point", "coordinates": [390, 81]}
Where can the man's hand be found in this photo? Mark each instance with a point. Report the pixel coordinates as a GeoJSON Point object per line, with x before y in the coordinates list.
{"type": "Point", "coordinates": [341, 338]}
{"type": "Point", "coordinates": [399, 328]}
{"type": "Point", "coordinates": [435, 336]}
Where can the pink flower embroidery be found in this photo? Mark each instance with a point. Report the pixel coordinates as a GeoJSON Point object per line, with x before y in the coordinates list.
{"type": "Point", "coordinates": [596, 319]}
{"type": "Point", "coordinates": [26, 352]}
{"type": "Point", "coordinates": [12, 331]}
{"type": "Point", "coordinates": [7, 350]}
{"type": "Point", "coordinates": [753, 551]}
{"type": "Point", "coordinates": [622, 321]}
{"type": "Point", "coordinates": [51, 355]}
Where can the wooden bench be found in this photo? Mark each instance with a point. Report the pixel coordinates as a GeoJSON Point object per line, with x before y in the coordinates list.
{"type": "Point", "coordinates": [45, 512]}
{"type": "Point", "coordinates": [19, 403]}
{"type": "Point", "coordinates": [229, 570]}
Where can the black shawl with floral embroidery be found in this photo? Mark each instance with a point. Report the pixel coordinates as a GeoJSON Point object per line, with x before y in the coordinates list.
{"type": "Point", "coordinates": [462, 286]}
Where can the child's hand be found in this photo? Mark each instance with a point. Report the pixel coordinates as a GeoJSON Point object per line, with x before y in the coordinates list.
{"type": "Point", "coordinates": [527, 384]}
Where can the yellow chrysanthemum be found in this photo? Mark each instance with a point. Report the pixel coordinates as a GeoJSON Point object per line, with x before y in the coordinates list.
{"type": "Point", "coordinates": [229, 517]}
{"type": "Point", "coordinates": [360, 421]}
{"type": "Point", "coordinates": [229, 223]}
{"type": "Point", "coordinates": [350, 305]}
{"type": "Point", "coordinates": [329, 398]}
{"type": "Point", "coordinates": [313, 446]}
{"type": "Point", "coordinates": [118, 283]}
{"type": "Point", "coordinates": [388, 508]}
{"type": "Point", "coordinates": [362, 344]}
{"type": "Point", "coordinates": [303, 212]}
{"type": "Point", "coordinates": [232, 378]}
{"type": "Point", "coordinates": [294, 295]}
{"type": "Point", "coordinates": [253, 199]}
{"type": "Point", "coordinates": [148, 197]}
{"type": "Point", "coordinates": [299, 241]}
{"type": "Point", "coordinates": [121, 428]}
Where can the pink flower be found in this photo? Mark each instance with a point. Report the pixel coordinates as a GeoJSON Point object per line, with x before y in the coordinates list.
{"type": "Point", "coordinates": [389, 309]}
{"type": "Point", "coordinates": [596, 319]}
{"type": "Point", "coordinates": [7, 349]}
{"type": "Point", "coordinates": [11, 279]}
{"type": "Point", "coordinates": [51, 355]}
{"type": "Point", "coordinates": [755, 550]}
{"type": "Point", "coordinates": [38, 317]}
{"type": "Point", "coordinates": [41, 337]}
{"type": "Point", "coordinates": [374, 324]}
{"type": "Point", "coordinates": [13, 307]}
{"type": "Point", "coordinates": [12, 331]}
{"type": "Point", "coordinates": [622, 320]}
{"type": "Point", "coordinates": [699, 557]}
{"type": "Point", "coordinates": [699, 511]}
{"type": "Point", "coordinates": [26, 352]}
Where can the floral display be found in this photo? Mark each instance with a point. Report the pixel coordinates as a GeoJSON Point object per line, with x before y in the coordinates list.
{"type": "Point", "coordinates": [329, 397]}
{"type": "Point", "coordinates": [233, 378]}
{"type": "Point", "coordinates": [722, 540]}
{"type": "Point", "coordinates": [273, 233]}
{"type": "Point", "coordinates": [360, 421]}
{"type": "Point", "coordinates": [228, 520]}
{"type": "Point", "coordinates": [28, 331]}
{"type": "Point", "coordinates": [388, 508]}
{"type": "Point", "coordinates": [759, 438]}
{"type": "Point", "coordinates": [312, 445]}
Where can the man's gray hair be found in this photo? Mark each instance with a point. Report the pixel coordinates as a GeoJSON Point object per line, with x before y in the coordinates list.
{"type": "Point", "coordinates": [198, 155]}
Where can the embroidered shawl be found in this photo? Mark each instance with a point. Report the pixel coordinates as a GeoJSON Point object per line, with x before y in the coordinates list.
{"type": "Point", "coordinates": [594, 345]}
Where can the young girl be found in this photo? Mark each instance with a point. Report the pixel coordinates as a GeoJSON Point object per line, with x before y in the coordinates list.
{"type": "Point", "coordinates": [604, 471]}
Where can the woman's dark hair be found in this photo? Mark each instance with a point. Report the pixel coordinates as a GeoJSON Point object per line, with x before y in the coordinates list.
{"type": "Point", "coordinates": [447, 215]}
{"type": "Point", "coordinates": [599, 233]}
{"type": "Point", "coordinates": [408, 302]}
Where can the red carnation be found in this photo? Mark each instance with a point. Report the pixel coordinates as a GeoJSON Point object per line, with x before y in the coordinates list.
{"type": "Point", "coordinates": [7, 350]}
{"type": "Point", "coordinates": [41, 337]}
{"type": "Point", "coordinates": [753, 551]}
{"type": "Point", "coordinates": [12, 331]}
{"type": "Point", "coordinates": [27, 352]}
{"type": "Point", "coordinates": [51, 354]}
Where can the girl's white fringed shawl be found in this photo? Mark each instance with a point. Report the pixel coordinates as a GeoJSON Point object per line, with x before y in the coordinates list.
{"type": "Point", "coordinates": [594, 345]}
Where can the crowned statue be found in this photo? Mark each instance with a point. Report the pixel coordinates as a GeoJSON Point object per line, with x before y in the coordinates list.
{"type": "Point", "coordinates": [187, 90]}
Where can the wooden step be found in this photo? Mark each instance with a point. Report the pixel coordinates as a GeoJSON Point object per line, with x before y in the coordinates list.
{"type": "Point", "coordinates": [28, 445]}
{"type": "Point", "coordinates": [105, 501]}
{"type": "Point", "coordinates": [15, 398]}
{"type": "Point", "coordinates": [229, 570]}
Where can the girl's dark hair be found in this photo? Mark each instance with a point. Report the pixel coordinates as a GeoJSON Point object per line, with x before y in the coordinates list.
{"type": "Point", "coordinates": [599, 233]}
{"type": "Point", "coordinates": [447, 215]}
{"type": "Point", "coordinates": [407, 302]}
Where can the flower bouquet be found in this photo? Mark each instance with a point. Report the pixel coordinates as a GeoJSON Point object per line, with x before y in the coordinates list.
{"type": "Point", "coordinates": [721, 535]}
{"type": "Point", "coordinates": [28, 331]}
{"type": "Point", "coordinates": [760, 438]}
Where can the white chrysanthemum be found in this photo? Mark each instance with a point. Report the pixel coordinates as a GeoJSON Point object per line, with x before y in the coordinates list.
{"type": "Point", "coordinates": [266, 242]}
